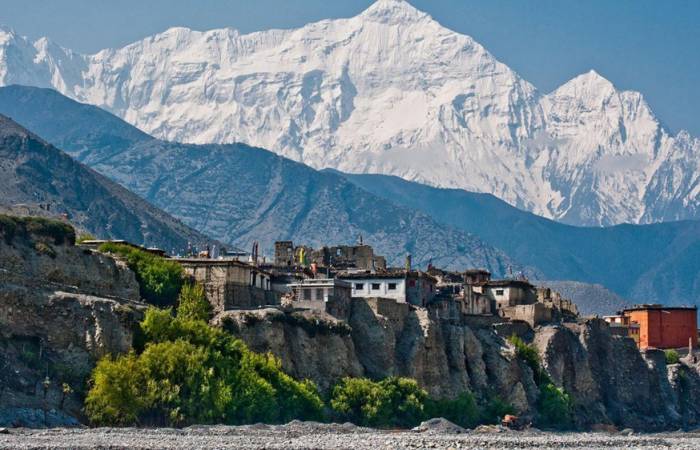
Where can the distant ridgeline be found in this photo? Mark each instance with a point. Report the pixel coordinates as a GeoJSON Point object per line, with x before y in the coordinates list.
{"type": "Point", "coordinates": [272, 198]}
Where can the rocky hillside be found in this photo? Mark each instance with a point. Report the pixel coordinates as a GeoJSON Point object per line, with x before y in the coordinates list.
{"type": "Point", "coordinates": [240, 194]}
{"type": "Point", "coordinates": [37, 178]}
{"type": "Point", "coordinates": [61, 308]}
{"type": "Point", "coordinates": [609, 380]}
{"type": "Point", "coordinates": [389, 91]}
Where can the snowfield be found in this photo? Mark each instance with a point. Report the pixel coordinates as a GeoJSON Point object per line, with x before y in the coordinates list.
{"type": "Point", "coordinates": [389, 91]}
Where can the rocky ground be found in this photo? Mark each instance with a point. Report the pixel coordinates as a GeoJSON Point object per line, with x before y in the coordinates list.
{"type": "Point", "coordinates": [298, 435]}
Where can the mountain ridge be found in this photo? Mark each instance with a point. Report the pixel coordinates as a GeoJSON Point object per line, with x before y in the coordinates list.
{"type": "Point", "coordinates": [240, 194]}
{"type": "Point", "coordinates": [245, 194]}
{"type": "Point", "coordinates": [390, 91]}
{"type": "Point", "coordinates": [39, 179]}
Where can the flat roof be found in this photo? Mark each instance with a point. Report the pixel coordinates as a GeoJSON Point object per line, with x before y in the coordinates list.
{"type": "Point", "coordinates": [659, 307]}
{"type": "Point", "coordinates": [218, 262]}
{"type": "Point", "coordinates": [385, 275]}
{"type": "Point", "coordinates": [316, 282]}
{"type": "Point", "coordinates": [507, 283]}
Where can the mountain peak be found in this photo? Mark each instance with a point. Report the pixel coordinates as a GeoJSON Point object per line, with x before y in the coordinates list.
{"type": "Point", "coordinates": [393, 11]}
{"type": "Point", "coordinates": [592, 79]}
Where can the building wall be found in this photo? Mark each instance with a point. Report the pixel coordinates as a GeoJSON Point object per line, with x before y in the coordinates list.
{"type": "Point", "coordinates": [533, 314]}
{"type": "Point", "coordinates": [665, 328]}
{"type": "Point", "coordinates": [366, 291]}
{"type": "Point", "coordinates": [230, 286]}
{"type": "Point", "coordinates": [419, 290]}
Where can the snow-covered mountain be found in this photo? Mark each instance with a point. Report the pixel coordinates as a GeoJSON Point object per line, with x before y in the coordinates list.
{"type": "Point", "coordinates": [389, 91]}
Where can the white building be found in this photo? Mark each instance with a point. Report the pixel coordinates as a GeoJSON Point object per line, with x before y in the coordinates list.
{"type": "Point", "coordinates": [414, 287]}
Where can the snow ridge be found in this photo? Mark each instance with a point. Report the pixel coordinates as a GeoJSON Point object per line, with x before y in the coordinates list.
{"type": "Point", "coordinates": [389, 91]}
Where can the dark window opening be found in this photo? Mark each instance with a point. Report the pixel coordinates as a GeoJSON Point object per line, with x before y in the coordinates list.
{"type": "Point", "coordinates": [499, 291]}
{"type": "Point", "coordinates": [375, 286]}
{"type": "Point", "coordinates": [359, 286]}
{"type": "Point", "coordinates": [392, 286]}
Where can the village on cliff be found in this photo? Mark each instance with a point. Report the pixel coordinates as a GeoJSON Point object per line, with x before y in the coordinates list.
{"type": "Point", "coordinates": [329, 279]}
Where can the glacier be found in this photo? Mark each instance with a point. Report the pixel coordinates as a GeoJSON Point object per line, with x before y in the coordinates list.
{"type": "Point", "coordinates": [389, 91]}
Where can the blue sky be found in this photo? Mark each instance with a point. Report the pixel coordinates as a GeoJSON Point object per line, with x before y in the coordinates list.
{"type": "Point", "coordinates": [652, 46]}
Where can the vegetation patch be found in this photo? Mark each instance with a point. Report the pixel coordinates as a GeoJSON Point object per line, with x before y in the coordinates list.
{"type": "Point", "coordinates": [190, 372]}
{"type": "Point", "coordinates": [313, 325]}
{"type": "Point", "coordinates": [672, 356]}
{"type": "Point", "coordinates": [160, 280]}
{"type": "Point", "coordinates": [554, 406]}
{"type": "Point", "coordinates": [462, 410]}
{"type": "Point", "coordinates": [392, 402]}
{"type": "Point", "coordinates": [59, 232]}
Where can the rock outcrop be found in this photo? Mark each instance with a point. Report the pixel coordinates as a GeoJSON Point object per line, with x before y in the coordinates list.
{"type": "Point", "coordinates": [61, 308]}
{"type": "Point", "coordinates": [609, 380]}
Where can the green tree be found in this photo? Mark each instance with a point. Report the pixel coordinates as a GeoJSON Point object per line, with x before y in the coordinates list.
{"type": "Point", "coordinates": [190, 372]}
{"type": "Point", "coordinates": [159, 279]}
{"type": "Point", "coordinates": [392, 402]}
{"type": "Point", "coordinates": [461, 410]}
{"type": "Point", "coordinates": [554, 407]}
{"type": "Point", "coordinates": [193, 303]}
{"type": "Point", "coordinates": [672, 356]}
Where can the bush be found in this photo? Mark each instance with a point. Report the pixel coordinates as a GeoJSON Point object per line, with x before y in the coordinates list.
{"type": "Point", "coordinates": [193, 303]}
{"type": "Point", "coordinates": [190, 372]}
{"type": "Point", "coordinates": [528, 353]}
{"type": "Point", "coordinates": [554, 407]}
{"type": "Point", "coordinates": [462, 410]}
{"type": "Point", "coordinates": [392, 402]}
{"type": "Point", "coordinates": [11, 226]}
{"type": "Point", "coordinates": [672, 357]}
{"type": "Point", "coordinates": [159, 279]}
{"type": "Point", "coordinates": [495, 408]}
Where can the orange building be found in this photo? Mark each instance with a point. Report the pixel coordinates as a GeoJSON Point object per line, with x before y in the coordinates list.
{"type": "Point", "coordinates": [664, 326]}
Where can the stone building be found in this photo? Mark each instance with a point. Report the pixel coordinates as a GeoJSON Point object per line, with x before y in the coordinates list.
{"type": "Point", "coordinates": [229, 283]}
{"type": "Point", "coordinates": [339, 257]}
{"type": "Point", "coordinates": [413, 286]}
{"type": "Point", "coordinates": [323, 294]}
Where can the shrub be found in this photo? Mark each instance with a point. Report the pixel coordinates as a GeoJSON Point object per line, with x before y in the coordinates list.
{"type": "Point", "coordinates": [392, 402]}
{"type": "Point", "coordinates": [190, 372]}
{"type": "Point", "coordinates": [159, 279]}
{"type": "Point", "coordinates": [193, 303]}
{"type": "Point", "coordinates": [554, 407]}
{"type": "Point", "coordinates": [61, 233]}
{"type": "Point", "coordinates": [462, 410]}
{"type": "Point", "coordinates": [528, 353]}
{"type": "Point", "coordinates": [672, 356]}
{"type": "Point", "coordinates": [495, 408]}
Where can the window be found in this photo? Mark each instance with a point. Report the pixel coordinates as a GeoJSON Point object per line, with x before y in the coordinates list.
{"type": "Point", "coordinates": [375, 286]}
{"type": "Point", "coordinates": [359, 286]}
{"type": "Point", "coordinates": [499, 291]}
{"type": "Point", "coordinates": [319, 294]}
{"type": "Point", "coordinates": [306, 294]}
{"type": "Point", "coordinates": [392, 286]}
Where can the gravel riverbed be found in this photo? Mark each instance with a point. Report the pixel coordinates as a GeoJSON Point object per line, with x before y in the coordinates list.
{"type": "Point", "coordinates": [305, 435]}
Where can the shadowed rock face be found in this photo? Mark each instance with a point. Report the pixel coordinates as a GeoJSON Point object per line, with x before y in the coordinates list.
{"type": "Point", "coordinates": [61, 308]}
{"type": "Point", "coordinates": [609, 380]}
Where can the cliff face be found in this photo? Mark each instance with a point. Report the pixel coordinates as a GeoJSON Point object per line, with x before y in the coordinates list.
{"type": "Point", "coordinates": [610, 381]}
{"type": "Point", "coordinates": [61, 308]}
